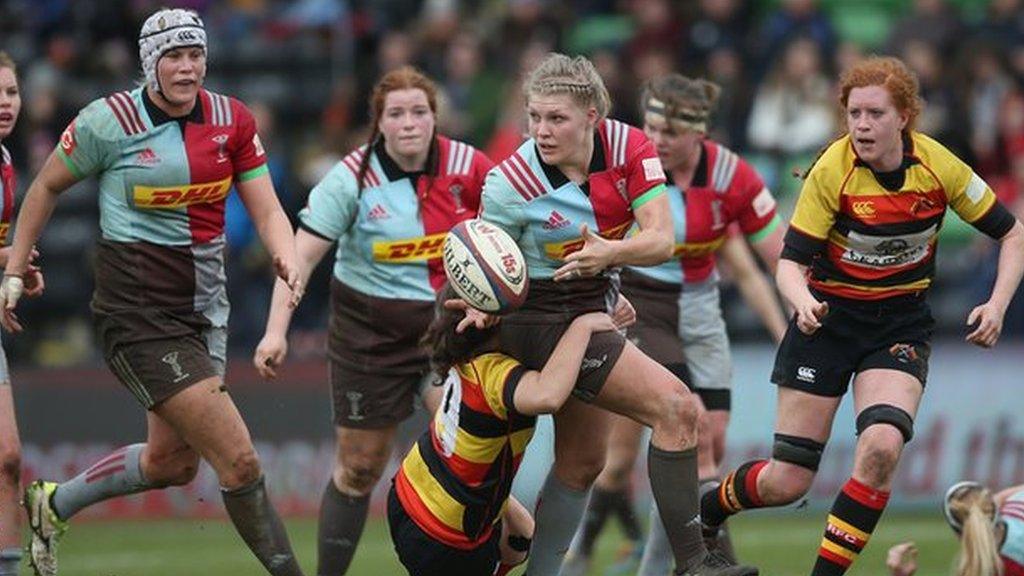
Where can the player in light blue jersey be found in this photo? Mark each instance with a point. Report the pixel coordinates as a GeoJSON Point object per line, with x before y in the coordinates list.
{"type": "Point", "coordinates": [165, 154]}
{"type": "Point", "coordinates": [568, 196]}
{"type": "Point", "coordinates": [388, 205]}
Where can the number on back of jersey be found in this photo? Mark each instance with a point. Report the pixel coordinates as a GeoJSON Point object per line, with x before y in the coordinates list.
{"type": "Point", "coordinates": [446, 421]}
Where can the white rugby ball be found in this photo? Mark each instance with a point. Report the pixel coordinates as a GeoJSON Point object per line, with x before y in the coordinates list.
{"type": "Point", "coordinates": [485, 266]}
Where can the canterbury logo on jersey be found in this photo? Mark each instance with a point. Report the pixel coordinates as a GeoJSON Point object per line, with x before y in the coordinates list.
{"type": "Point", "coordinates": [864, 209]}
{"type": "Point", "coordinates": [410, 249]}
{"type": "Point", "coordinates": [559, 250]}
{"type": "Point", "coordinates": [693, 249]}
{"type": "Point", "coordinates": [177, 196]}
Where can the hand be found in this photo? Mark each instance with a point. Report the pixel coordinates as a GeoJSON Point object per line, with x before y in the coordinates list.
{"type": "Point", "coordinates": [987, 320]}
{"type": "Point", "coordinates": [596, 255]}
{"type": "Point", "coordinates": [11, 289]}
{"type": "Point", "coordinates": [477, 319]}
{"type": "Point", "coordinates": [34, 283]}
{"type": "Point", "coordinates": [624, 314]}
{"type": "Point", "coordinates": [598, 321]}
{"type": "Point", "coordinates": [902, 559]}
{"type": "Point", "coordinates": [809, 315]}
{"type": "Point", "coordinates": [287, 271]}
{"type": "Point", "coordinates": [269, 355]}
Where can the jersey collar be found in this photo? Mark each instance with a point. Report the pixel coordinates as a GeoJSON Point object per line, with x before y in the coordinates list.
{"type": "Point", "coordinates": [158, 116]}
{"type": "Point", "coordinates": [700, 175]}
{"type": "Point", "coordinates": [559, 179]}
{"type": "Point", "coordinates": [392, 171]}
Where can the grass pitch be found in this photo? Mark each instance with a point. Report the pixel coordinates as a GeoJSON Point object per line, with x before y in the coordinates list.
{"type": "Point", "coordinates": [780, 544]}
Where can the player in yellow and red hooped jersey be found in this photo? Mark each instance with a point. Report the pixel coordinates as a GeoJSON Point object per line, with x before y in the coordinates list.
{"type": "Point", "coordinates": [568, 196]}
{"type": "Point", "coordinates": [679, 320]}
{"type": "Point", "coordinates": [165, 154]}
{"type": "Point", "coordinates": [449, 509]}
{"type": "Point", "coordinates": [388, 205]}
{"type": "Point", "coordinates": [859, 257]}
{"type": "Point", "coordinates": [10, 446]}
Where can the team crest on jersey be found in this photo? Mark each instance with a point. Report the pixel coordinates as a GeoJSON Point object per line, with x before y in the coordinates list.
{"type": "Point", "coordinates": [905, 353]}
{"type": "Point", "coordinates": [67, 139]}
{"type": "Point", "coordinates": [222, 143]}
{"type": "Point", "coordinates": [456, 191]}
{"type": "Point", "coordinates": [620, 186]}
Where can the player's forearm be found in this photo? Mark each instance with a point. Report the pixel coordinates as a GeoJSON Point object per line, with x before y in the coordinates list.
{"type": "Point", "coordinates": [280, 316]}
{"type": "Point", "coordinates": [35, 213]}
{"type": "Point", "coordinates": [791, 279]}
{"type": "Point", "coordinates": [1010, 267]}
{"type": "Point", "coordinates": [647, 248]}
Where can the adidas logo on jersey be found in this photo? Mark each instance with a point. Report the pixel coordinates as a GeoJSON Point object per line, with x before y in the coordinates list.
{"type": "Point", "coordinates": [147, 158]}
{"type": "Point", "coordinates": [556, 221]}
{"type": "Point", "coordinates": [377, 213]}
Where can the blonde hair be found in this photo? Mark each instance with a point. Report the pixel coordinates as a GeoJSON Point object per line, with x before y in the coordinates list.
{"type": "Point", "coordinates": [974, 508]}
{"type": "Point", "coordinates": [577, 77]}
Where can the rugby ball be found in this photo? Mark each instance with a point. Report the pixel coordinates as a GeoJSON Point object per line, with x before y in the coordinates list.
{"type": "Point", "coordinates": [485, 266]}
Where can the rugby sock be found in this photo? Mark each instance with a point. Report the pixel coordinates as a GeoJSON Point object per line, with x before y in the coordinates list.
{"type": "Point", "coordinates": [721, 540]}
{"type": "Point", "coordinates": [558, 513]}
{"type": "Point", "coordinates": [10, 558]}
{"type": "Point", "coordinates": [853, 518]}
{"type": "Point", "coordinates": [598, 508]}
{"type": "Point", "coordinates": [657, 558]}
{"type": "Point", "coordinates": [622, 506]}
{"type": "Point", "coordinates": [260, 527]}
{"type": "Point", "coordinates": [737, 492]}
{"type": "Point", "coordinates": [342, 518]}
{"type": "Point", "coordinates": [117, 474]}
{"type": "Point", "coordinates": [674, 485]}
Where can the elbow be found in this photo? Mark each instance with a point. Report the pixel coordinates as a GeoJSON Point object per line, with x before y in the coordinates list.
{"type": "Point", "coordinates": [666, 245]}
{"type": "Point", "coordinates": [548, 403]}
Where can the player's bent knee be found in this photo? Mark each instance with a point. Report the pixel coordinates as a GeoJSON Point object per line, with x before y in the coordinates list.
{"type": "Point", "coordinates": [678, 408]}
{"type": "Point", "coordinates": [886, 414]}
{"type": "Point", "coordinates": [797, 450]}
{"type": "Point", "coordinates": [358, 477]}
{"type": "Point", "coordinates": [878, 455]}
{"type": "Point", "coordinates": [784, 483]}
{"type": "Point", "coordinates": [245, 469]}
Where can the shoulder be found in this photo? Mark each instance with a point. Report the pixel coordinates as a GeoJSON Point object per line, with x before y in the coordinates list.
{"type": "Point", "coordinates": [352, 162]}
{"type": "Point", "coordinates": [934, 155]}
{"type": "Point", "coordinates": [458, 158]}
{"type": "Point", "coordinates": [621, 141]}
{"type": "Point", "coordinates": [834, 162]}
{"type": "Point", "coordinates": [494, 366]}
{"type": "Point", "coordinates": [225, 110]}
{"type": "Point", "coordinates": [517, 175]}
{"type": "Point", "coordinates": [112, 117]}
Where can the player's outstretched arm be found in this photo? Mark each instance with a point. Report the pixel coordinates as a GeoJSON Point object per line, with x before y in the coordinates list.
{"type": "Point", "coordinates": [988, 317]}
{"type": "Point", "coordinates": [273, 347]}
{"type": "Point", "coordinates": [544, 392]}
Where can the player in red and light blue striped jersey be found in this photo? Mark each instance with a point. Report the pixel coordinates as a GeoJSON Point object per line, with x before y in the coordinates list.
{"type": "Point", "coordinates": [166, 155]}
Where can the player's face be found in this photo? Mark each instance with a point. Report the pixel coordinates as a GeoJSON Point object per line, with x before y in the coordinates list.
{"type": "Point", "coordinates": [875, 125]}
{"type": "Point", "coordinates": [561, 128]}
{"type": "Point", "coordinates": [407, 123]}
{"type": "Point", "coordinates": [181, 72]}
{"type": "Point", "coordinates": [676, 146]}
{"type": "Point", "coordinates": [10, 101]}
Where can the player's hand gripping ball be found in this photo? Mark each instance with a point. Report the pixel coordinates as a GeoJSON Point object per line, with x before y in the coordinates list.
{"type": "Point", "coordinates": [485, 267]}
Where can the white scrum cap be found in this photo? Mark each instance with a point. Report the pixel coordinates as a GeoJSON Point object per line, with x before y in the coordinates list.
{"type": "Point", "coordinates": [166, 30]}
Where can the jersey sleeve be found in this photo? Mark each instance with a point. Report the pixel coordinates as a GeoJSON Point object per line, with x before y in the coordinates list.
{"type": "Point", "coordinates": [501, 205]}
{"type": "Point", "coordinates": [500, 375]}
{"type": "Point", "coordinates": [645, 177]}
{"type": "Point", "coordinates": [814, 215]}
{"type": "Point", "coordinates": [81, 145]}
{"type": "Point", "coordinates": [332, 205]}
{"type": "Point", "coordinates": [248, 156]}
{"type": "Point", "coordinates": [973, 199]}
{"type": "Point", "coordinates": [752, 203]}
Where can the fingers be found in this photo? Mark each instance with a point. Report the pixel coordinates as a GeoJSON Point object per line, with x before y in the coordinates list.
{"type": "Point", "coordinates": [10, 321]}
{"type": "Point", "coordinates": [456, 304]}
{"type": "Point", "coordinates": [585, 232]}
{"type": "Point", "coordinates": [988, 329]}
{"type": "Point", "coordinates": [973, 316]}
{"type": "Point", "coordinates": [463, 324]}
{"type": "Point", "coordinates": [570, 271]}
{"type": "Point", "coordinates": [821, 310]}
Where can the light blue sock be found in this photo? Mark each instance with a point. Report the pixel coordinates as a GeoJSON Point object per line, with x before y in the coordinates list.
{"type": "Point", "coordinates": [559, 510]}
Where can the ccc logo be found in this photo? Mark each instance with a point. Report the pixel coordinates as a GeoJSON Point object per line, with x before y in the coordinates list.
{"type": "Point", "coordinates": [864, 208]}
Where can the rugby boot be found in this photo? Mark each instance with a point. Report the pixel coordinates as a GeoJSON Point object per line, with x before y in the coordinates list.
{"type": "Point", "coordinates": [47, 527]}
{"type": "Point", "coordinates": [716, 564]}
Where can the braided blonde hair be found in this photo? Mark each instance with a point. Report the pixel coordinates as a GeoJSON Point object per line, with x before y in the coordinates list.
{"type": "Point", "coordinates": [577, 77]}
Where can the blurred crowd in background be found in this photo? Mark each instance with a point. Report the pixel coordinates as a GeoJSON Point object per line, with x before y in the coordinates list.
{"type": "Point", "coordinates": [306, 67]}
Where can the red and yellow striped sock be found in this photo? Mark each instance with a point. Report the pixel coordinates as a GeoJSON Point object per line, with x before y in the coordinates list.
{"type": "Point", "coordinates": [853, 518]}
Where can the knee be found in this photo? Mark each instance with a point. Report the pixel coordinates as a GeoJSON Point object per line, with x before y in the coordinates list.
{"type": "Point", "coordinates": [878, 451]}
{"type": "Point", "coordinates": [677, 409]}
{"type": "Point", "coordinates": [244, 469]}
{"type": "Point", "coordinates": [175, 467]}
{"type": "Point", "coordinates": [357, 474]}
{"type": "Point", "coordinates": [10, 465]}
{"type": "Point", "coordinates": [579, 471]}
{"type": "Point", "coordinates": [784, 483]}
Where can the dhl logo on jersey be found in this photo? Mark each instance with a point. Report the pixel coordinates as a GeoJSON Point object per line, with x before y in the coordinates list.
{"type": "Point", "coordinates": [177, 196]}
{"type": "Point", "coordinates": [410, 249]}
{"type": "Point", "coordinates": [559, 250]}
{"type": "Point", "coordinates": [695, 249]}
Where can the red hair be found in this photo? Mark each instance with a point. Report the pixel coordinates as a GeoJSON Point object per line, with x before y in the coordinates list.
{"type": "Point", "coordinates": [889, 73]}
